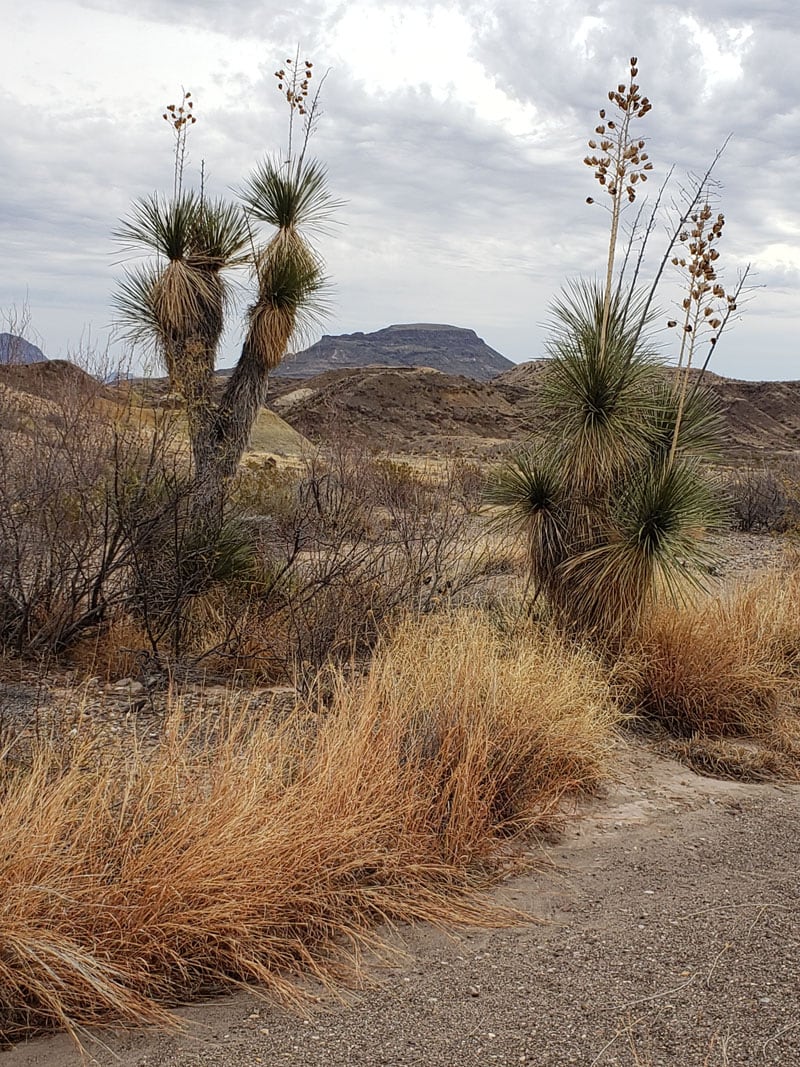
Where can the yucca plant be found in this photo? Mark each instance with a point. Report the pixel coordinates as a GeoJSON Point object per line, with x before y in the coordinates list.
{"type": "Point", "coordinates": [292, 197]}
{"type": "Point", "coordinates": [177, 302]}
{"type": "Point", "coordinates": [612, 498]}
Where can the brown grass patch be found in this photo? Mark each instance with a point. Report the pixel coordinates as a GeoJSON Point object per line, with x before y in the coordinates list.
{"type": "Point", "coordinates": [725, 668]}
{"type": "Point", "coordinates": [732, 760]}
{"type": "Point", "coordinates": [247, 851]}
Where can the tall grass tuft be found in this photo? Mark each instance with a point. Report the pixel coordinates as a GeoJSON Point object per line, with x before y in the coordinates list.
{"type": "Point", "coordinates": [244, 850]}
{"type": "Point", "coordinates": [728, 667]}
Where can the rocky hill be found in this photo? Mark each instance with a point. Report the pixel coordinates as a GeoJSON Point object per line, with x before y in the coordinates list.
{"type": "Point", "coordinates": [449, 349]}
{"type": "Point", "coordinates": [407, 409]}
{"type": "Point", "coordinates": [15, 350]}
{"type": "Point", "coordinates": [422, 410]}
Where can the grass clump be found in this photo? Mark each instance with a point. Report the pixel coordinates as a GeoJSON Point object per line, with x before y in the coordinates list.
{"type": "Point", "coordinates": [724, 668]}
{"type": "Point", "coordinates": [241, 850]}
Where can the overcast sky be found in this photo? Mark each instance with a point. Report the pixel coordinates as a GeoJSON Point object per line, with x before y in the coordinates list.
{"type": "Point", "coordinates": [454, 131]}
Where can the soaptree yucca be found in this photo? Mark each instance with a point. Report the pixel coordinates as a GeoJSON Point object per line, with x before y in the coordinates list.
{"type": "Point", "coordinates": [291, 197]}
{"type": "Point", "coordinates": [177, 301]}
{"type": "Point", "coordinates": [613, 498]}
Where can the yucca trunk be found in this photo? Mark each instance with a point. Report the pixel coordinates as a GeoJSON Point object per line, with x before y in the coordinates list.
{"type": "Point", "coordinates": [218, 450]}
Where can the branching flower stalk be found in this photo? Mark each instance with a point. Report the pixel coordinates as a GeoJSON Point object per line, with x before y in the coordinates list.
{"type": "Point", "coordinates": [294, 83]}
{"type": "Point", "coordinates": [180, 117]}
{"type": "Point", "coordinates": [733, 301]}
{"type": "Point", "coordinates": [702, 306]}
{"type": "Point", "coordinates": [621, 164]}
{"type": "Point", "coordinates": [685, 212]}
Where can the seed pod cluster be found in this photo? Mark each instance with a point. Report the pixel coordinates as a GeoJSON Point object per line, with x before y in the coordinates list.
{"type": "Point", "coordinates": [620, 162]}
{"type": "Point", "coordinates": [706, 297]}
{"type": "Point", "coordinates": [180, 115]}
{"type": "Point", "coordinates": [294, 84]}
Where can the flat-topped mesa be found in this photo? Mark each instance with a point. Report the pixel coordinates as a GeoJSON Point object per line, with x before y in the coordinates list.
{"type": "Point", "coordinates": [450, 349]}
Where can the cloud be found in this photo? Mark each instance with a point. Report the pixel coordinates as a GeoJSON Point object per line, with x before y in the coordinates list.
{"type": "Point", "coordinates": [454, 131]}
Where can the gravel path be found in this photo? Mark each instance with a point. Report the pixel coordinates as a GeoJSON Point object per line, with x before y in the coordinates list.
{"type": "Point", "coordinates": [669, 939]}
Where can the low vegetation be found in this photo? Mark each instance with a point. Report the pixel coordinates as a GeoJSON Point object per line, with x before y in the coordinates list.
{"type": "Point", "coordinates": [727, 667]}
{"type": "Point", "coordinates": [237, 850]}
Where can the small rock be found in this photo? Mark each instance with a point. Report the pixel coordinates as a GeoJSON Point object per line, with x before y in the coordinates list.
{"type": "Point", "coordinates": [128, 687]}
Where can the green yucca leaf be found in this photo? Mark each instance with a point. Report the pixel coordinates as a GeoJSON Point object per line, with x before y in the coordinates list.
{"type": "Point", "coordinates": [160, 226]}
{"type": "Point", "coordinates": [600, 406]}
{"type": "Point", "coordinates": [526, 485]}
{"type": "Point", "coordinates": [530, 490]}
{"type": "Point", "coordinates": [289, 195]}
{"type": "Point", "coordinates": [291, 297]}
{"type": "Point", "coordinates": [666, 508]}
{"type": "Point", "coordinates": [289, 275]}
{"type": "Point", "coordinates": [653, 543]}
{"type": "Point", "coordinates": [576, 318]}
{"type": "Point", "coordinates": [221, 234]}
{"type": "Point", "coordinates": [176, 303]}
{"type": "Point", "coordinates": [702, 424]}
{"type": "Point", "coordinates": [209, 233]}
{"type": "Point", "coordinates": [136, 305]}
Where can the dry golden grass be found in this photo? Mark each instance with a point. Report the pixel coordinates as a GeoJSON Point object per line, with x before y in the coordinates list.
{"type": "Point", "coordinates": [115, 650]}
{"type": "Point", "coordinates": [732, 760]}
{"type": "Point", "coordinates": [724, 668]}
{"type": "Point", "coordinates": [241, 850]}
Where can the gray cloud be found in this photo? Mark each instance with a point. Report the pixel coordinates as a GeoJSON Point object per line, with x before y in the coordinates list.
{"type": "Point", "coordinates": [449, 216]}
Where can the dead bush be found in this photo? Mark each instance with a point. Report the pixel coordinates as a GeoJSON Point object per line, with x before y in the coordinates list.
{"type": "Point", "coordinates": [364, 542]}
{"type": "Point", "coordinates": [766, 498]}
{"type": "Point", "coordinates": [64, 546]}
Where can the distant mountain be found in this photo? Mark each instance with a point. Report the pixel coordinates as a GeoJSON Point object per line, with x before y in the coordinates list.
{"type": "Point", "coordinates": [14, 350]}
{"type": "Point", "coordinates": [449, 349]}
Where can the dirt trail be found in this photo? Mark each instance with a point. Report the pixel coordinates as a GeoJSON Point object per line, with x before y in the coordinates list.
{"type": "Point", "coordinates": [670, 939]}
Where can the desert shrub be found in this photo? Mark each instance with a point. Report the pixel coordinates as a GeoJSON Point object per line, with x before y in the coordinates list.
{"type": "Point", "coordinates": [64, 546]}
{"type": "Point", "coordinates": [262, 489]}
{"type": "Point", "coordinates": [97, 523]}
{"type": "Point", "coordinates": [99, 529]}
{"type": "Point", "coordinates": [395, 800]}
{"type": "Point", "coordinates": [765, 498]}
{"type": "Point", "coordinates": [175, 566]}
{"type": "Point", "coordinates": [364, 542]}
{"type": "Point", "coordinates": [99, 535]}
{"type": "Point", "coordinates": [397, 482]}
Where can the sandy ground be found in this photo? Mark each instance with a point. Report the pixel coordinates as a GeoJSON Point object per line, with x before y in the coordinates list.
{"type": "Point", "coordinates": [667, 935]}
